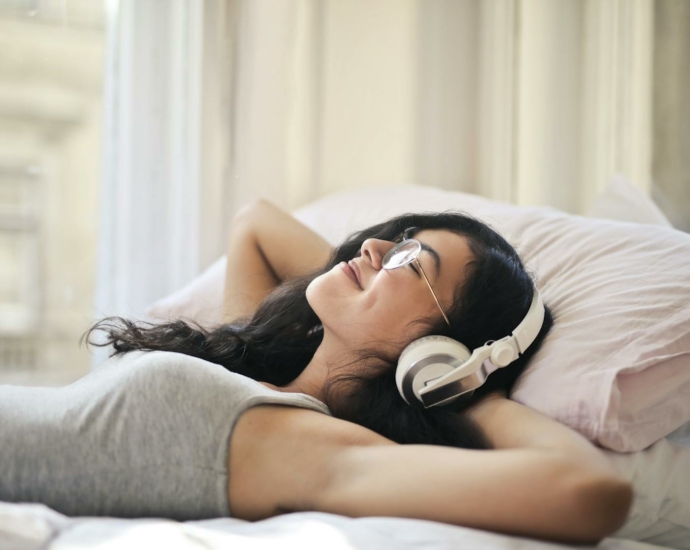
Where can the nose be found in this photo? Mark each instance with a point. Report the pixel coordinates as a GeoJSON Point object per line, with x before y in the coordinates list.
{"type": "Point", "coordinates": [375, 250]}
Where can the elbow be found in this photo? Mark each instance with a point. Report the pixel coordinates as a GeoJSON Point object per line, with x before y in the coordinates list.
{"type": "Point", "coordinates": [248, 213]}
{"type": "Point", "coordinates": [253, 206]}
{"type": "Point", "coordinates": [605, 505]}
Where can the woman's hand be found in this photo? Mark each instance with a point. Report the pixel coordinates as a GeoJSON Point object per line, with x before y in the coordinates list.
{"type": "Point", "coordinates": [266, 246]}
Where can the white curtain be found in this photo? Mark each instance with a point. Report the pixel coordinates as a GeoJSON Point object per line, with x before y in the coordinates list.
{"type": "Point", "coordinates": [532, 102]}
{"type": "Point", "coordinates": [671, 116]}
{"type": "Point", "coordinates": [165, 191]}
{"type": "Point", "coordinates": [212, 103]}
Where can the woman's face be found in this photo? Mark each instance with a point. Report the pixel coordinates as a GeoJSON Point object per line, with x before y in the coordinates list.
{"type": "Point", "coordinates": [389, 301]}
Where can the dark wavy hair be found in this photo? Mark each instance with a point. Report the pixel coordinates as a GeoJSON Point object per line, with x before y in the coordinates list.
{"type": "Point", "coordinates": [277, 343]}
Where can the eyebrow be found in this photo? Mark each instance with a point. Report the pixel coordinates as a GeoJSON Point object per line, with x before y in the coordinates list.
{"type": "Point", "coordinates": [435, 256]}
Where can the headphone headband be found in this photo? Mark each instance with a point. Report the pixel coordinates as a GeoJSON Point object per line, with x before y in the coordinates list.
{"type": "Point", "coordinates": [528, 330]}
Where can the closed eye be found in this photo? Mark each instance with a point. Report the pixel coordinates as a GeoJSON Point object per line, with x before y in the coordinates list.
{"type": "Point", "coordinates": [411, 264]}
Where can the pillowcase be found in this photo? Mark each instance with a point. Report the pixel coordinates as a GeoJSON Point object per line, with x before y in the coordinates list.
{"type": "Point", "coordinates": [623, 201]}
{"type": "Point", "coordinates": [616, 365]}
{"type": "Point", "coordinates": [200, 300]}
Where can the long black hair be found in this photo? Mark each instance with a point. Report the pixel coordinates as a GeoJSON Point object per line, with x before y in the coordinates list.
{"type": "Point", "coordinates": [277, 343]}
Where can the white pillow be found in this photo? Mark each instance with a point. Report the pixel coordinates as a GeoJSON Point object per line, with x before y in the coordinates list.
{"type": "Point", "coordinates": [623, 201]}
{"type": "Point", "coordinates": [616, 366]}
{"type": "Point", "coordinates": [200, 300]}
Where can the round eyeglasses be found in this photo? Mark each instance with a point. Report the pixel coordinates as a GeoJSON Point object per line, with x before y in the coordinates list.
{"type": "Point", "coordinates": [404, 253]}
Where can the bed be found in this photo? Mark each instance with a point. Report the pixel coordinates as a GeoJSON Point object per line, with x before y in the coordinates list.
{"type": "Point", "coordinates": [646, 434]}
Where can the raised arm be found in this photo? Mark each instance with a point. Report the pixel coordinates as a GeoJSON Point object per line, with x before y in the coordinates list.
{"type": "Point", "coordinates": [287, 459]}
{"type": "Point", "coordinates": [541, 480]}
{"type": "Point", "coordinates": [266, 245]}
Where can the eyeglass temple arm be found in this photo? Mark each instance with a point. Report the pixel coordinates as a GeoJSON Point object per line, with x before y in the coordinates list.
{"type": "Point", "coordinates": [432, 290]}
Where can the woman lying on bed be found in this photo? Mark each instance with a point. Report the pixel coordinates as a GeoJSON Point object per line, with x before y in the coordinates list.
{"type": "Point", "coordinates": [335, 333]}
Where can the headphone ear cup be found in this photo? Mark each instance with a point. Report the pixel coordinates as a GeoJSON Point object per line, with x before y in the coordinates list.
{"type": "Point", "coordinates": [426, 359]}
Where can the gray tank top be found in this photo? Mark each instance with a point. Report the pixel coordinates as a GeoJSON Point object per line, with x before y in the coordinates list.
{"type": "Point", "coordinates": [144, 434]}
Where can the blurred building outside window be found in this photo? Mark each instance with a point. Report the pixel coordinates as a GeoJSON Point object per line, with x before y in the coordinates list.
{"type": "Point", "coordinates": [51, 66]}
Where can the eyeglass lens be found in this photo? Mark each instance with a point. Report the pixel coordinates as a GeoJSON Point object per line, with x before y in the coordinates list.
{"type": "Point", "coordinates": [401, 254]}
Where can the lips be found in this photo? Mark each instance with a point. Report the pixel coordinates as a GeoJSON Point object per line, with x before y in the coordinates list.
{"type": "Point", "coordinates": [351, 273]}
{"type": "Point", "coordinates": [358, 274]}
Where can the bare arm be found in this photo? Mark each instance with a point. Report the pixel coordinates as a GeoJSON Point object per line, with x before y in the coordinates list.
{"type": "Point", "coordinates": [296, 459]}
{"type": "Point", "coordinates": [524, 492]}
{"type": "Point", "coordinates": [266, 245]}
{"type": "Point", "coordinates": [542, 480]}
{"type": "Point", "coordinates": [511, 425]}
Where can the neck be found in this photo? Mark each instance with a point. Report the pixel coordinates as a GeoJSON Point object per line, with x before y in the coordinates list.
{"type": "Point", "coordinates": [312, 379]}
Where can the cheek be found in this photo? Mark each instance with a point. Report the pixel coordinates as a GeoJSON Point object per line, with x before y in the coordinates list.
{"type": "Point", "coordinates": [383, 311]}
{"type": "Point", "coordinates": [391, 304]}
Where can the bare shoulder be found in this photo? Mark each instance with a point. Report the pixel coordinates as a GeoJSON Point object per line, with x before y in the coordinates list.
{"type": "Point", "coordinates": [280, 458]}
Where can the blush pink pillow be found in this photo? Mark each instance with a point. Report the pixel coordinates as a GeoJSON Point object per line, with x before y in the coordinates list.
{"type": "Point", "coordinates": [622, 201]}
{"type": "Point", "coordinates": [200, 300]}
{"type": "Point", "coordinates": [616, 366]}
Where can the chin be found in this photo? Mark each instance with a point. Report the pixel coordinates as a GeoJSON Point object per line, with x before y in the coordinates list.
{"type": "Point", "coordinates": [311, 289]}
{"type": "Point", "coordinates": [326, 297]}
{"type": "Point", "coordinates": [316, 295]}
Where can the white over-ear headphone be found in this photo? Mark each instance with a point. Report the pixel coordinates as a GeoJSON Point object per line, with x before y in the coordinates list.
{"type": "Point", "coordinates": [437, 369]}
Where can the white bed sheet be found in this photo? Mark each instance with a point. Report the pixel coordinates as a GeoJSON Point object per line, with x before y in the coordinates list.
{"type": "Point", "coordinates": [660, 476]}
{"type": "Point", "coordinates": [37, 527]}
